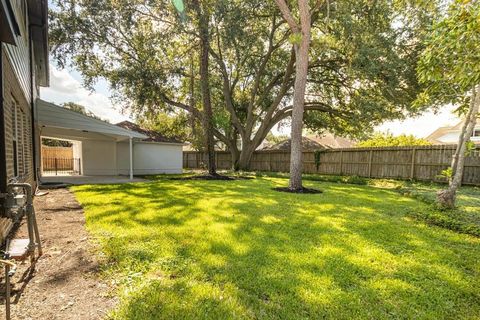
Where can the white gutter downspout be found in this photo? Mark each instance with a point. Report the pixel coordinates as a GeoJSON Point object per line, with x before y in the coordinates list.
{"type": "Point", "coordinates": [131, 158]}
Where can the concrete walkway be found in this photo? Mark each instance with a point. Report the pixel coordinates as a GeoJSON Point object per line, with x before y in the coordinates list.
{"type": "Point", "coordinates": [77, 180]}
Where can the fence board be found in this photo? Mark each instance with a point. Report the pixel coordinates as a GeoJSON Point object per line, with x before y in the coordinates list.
{"type": "Point", "coordinates": [57, 152]}
{"type": "Point", "coordinates": [423, 163]}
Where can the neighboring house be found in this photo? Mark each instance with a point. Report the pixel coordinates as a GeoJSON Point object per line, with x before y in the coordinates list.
{"type": "Point", "coordinates": [450, 135]}
{"type": "Point", "coordinates": [315, 142]}
{"type": "Point", "coordinates": [23, 69]}
{"type": "Point", "coordinates": [100, 148]}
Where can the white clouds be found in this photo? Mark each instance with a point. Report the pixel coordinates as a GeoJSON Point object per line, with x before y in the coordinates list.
{"type": "Point", "coordinates": [65, 88]}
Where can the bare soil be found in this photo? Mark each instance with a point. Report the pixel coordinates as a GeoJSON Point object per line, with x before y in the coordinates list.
{"type": "Point", "coordinates": [65, 283]}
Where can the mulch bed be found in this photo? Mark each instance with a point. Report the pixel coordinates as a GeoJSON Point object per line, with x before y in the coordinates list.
{"type": "Point", "coordinates": [65, 283]}
{"type": "Point", "coordinates": [302, 191]}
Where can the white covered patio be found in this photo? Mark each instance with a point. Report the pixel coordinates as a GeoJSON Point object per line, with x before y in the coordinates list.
{"type": "Point", "coordinates": [80, 180]}
{"type": "Point", "coordinates": [95, 144]}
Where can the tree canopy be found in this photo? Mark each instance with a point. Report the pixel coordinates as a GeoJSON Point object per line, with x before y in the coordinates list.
{"type": "Point", "coordinates": [389, 140]}
{"type": "Point", "coordinates": [450, 68]}
{"type": "Point", "coordinates": [449, 65]}
{"type": "Point", "coordinates": [362, 61]}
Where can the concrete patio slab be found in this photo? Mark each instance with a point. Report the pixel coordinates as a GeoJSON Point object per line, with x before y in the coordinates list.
{"type": "Point", "coordinates": [79, 180]}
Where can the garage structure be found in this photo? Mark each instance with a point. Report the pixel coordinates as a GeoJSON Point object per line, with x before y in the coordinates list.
{"type": "Point", "coordinates": [105, 149]}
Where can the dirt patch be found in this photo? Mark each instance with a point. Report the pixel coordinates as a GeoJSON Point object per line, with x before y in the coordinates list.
{"type": "Point", "coordinates": [303, 190]}
{"type": "Point", "coordinates": [65, 283]}
{"type": "Point", "coordinates": [210, 177]}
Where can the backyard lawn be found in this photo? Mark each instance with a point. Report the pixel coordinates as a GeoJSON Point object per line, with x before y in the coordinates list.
{"type": "Point", "coordinates": [239, 250]}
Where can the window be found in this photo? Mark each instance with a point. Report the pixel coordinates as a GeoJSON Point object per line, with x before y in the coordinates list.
{"type": "Point", "coordinates": [476, 133]}
{"type": "Point", "coordinates": [15, 138]}
{"type": "Point", "coordinates": [18, 137]}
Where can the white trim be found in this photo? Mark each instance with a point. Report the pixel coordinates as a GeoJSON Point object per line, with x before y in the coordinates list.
{"type": "Point", "coordinates": [164, 143]}
{"type": "Point", "coordinates": [131, 157]}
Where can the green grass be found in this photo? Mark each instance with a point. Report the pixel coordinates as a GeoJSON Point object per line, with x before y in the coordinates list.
{"type": "Point", "coordinates": [464, 218]}
{"type": "Point", "coordinates": [239, 250]}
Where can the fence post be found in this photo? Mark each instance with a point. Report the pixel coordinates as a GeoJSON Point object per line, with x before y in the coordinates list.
{"type": "Point", "coordinates": [370, 158]}
{"type": "Point", "coordinates": [269, 161]}
{"type": "Point", "coordinates": [412, 169]}
{"type": "Point", "coordinates": [56, 167]}
{"type": "Point", "coordinates": [341, 162]}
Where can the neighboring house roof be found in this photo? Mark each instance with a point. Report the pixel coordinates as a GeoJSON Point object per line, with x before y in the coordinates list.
{"type": "Point", "coordinates": [329, 140]}
{"type": "Point", "coordinates": [311, 143]}
{"type": "Point", "coordinates": [51, 115]}
{"type": "Point", "coordinates": [438, 133]}
{"type": "Point", "coordinates": [152, 136]}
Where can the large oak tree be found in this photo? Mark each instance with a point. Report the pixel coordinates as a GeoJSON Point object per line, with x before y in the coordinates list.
{"type": "Point", "coordinates": [361, 71]}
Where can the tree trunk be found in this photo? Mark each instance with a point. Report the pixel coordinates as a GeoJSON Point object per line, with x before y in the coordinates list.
{"type": "Point", "coordinates": [246, 156]}
{"type": "Point", "coordinates": [203, 26]}
{"type": "Point", "coordinates": [235, 157]}
{"type": "Point", "coordinates": [446, 198]}
{"type": "Point", "coordinates": [301, 71]}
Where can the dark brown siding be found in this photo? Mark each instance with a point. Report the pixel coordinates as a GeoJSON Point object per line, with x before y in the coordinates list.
{"type": "Point", "coordinates": [14, 98]}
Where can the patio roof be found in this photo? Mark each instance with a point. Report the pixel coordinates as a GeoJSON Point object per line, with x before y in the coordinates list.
{"type": "Point", "coordinates": [53, 116]}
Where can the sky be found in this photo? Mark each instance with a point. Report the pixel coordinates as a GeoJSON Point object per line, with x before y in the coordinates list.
{"type": "Point", "coordinates": [66, 86]}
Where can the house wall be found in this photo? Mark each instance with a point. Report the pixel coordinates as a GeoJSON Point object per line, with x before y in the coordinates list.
{"type": "Point", "coordinates": [19, 54]}
{"type": "Point", "coordinates": [452, 137]}
{"type": "Point", "coordinates": [14, 97]}
{"type": "Point", "coordinates": [150, 158]}
{"type": "Point", "coordinates": [98, 157]}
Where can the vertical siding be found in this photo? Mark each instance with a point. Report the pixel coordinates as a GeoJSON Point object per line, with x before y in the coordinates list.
{"type": "Point", "coordinates": [18, 55]}
{"type": "Point", "coordinates": [13, 95]}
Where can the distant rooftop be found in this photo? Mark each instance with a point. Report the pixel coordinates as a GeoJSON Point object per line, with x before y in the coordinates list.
{"type": "Point", "coordinates": [153, 136]}
{"type": "Point", "coordinates": [315, 142]}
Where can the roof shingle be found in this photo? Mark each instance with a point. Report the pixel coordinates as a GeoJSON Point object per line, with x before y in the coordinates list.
{"type": "Point", "coordinates": [153, 136]}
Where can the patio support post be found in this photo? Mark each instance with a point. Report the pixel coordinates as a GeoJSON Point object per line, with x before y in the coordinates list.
{"type": "Point", "coordinates": [131, 158]}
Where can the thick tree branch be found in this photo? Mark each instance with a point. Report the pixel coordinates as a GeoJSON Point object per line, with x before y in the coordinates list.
{"type": "Point", "coordinates": [287, 15]}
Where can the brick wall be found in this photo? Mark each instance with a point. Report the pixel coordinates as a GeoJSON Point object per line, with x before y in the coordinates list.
{"type": "Point", "coordinates": [15, 98]}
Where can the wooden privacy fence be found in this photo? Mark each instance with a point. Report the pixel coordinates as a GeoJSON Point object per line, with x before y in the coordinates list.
{"type": "Point", "coordinates": [423, 163]}
{"type": "Point", "coordinates": [57, 152]}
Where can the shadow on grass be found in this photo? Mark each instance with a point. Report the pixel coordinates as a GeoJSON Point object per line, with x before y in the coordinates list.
{"type": "Point", "coordinates": [221, 250]}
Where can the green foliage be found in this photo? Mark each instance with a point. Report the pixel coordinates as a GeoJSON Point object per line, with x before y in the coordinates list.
{"type": "Point", "coordinates": [389, 140]}
{"type": "Point", "coordinates": [449, 63]}
{"type": "Point", "coordinates": [362, 66]}
{"type": "Point", "coordinates": [274, 139]}
{"type": "Point", "coordinates": [470, 147]}
{"type": "Point", "coordinates": [295, 38]}
{"type": "Point", "coordinates": [447, 173]}
{"type": "Point", "coordinates": [179, 125]}
{"type": "Point", "coordinates": [55, 143]}
{"type": "Point", "coordinates": [239, 250]}
{"type": "Point", "coordinates": [465, 218]}
{"type": "Point", "coordinates": [81, 109]}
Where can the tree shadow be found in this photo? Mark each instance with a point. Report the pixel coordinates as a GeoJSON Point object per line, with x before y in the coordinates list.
{"type": "Point", "coordinates": [243, 250]}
